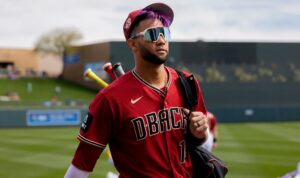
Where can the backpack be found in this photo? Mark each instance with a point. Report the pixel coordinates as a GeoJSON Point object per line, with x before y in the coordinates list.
{"type": "Point", "coordinates": [205, 164]}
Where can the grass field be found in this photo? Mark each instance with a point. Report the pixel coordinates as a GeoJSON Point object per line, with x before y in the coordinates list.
{"type": "Point", "coordinates": [43, 90]}
{"type": "Point", "coordinates": [258, 150]}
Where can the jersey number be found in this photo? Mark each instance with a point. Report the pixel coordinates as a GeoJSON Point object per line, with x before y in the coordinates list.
{"type": "Point", "coordinates": [182, 151]}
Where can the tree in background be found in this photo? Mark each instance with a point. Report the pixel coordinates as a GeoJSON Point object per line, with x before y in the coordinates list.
{"type": "Point", "coordinates": [52, 48]}
{"type": "Point", "coordinates": [58, 41]}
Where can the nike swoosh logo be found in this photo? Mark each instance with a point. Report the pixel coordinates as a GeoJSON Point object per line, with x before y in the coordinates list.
{"type": "Point", "coordinates": [136, 100]}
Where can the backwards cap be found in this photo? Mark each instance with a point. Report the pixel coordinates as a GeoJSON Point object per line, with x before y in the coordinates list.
{"type": "Point", "coordinates": [159, 8]}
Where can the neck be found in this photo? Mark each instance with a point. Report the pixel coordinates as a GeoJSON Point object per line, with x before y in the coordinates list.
{"type": "Point", "coordinates": [154, 75]}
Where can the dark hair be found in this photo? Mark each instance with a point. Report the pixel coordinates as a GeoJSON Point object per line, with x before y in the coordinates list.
{"type": "Point", "coordinates": [148, 14]}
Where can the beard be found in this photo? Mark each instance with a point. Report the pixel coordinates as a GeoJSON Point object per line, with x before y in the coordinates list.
{"type": "Point", "coordinates": [151, 57]}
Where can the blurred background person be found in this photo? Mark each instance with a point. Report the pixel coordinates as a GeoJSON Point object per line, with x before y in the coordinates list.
{"type": "Point", "coordinates": [211, 143]}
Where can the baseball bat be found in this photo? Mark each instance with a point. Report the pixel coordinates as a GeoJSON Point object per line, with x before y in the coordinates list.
{"type": "Point", "coordinates": [118, 70]}
{"type": "Point", "coordinates": [90, 74]}
{"type": "Point", "coordinates": [107, 67]}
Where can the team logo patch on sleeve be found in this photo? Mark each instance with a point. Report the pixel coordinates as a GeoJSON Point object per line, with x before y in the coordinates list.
{"type": "Point", "coordinates": [86, 122]}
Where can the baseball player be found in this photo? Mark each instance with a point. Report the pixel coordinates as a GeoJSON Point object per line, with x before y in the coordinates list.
{"type": "Point", "coordinates": [142, 116]}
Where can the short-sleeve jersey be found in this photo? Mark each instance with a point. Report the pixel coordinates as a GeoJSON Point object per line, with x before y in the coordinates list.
{"type": "Point", "coordinates": [145, 127]}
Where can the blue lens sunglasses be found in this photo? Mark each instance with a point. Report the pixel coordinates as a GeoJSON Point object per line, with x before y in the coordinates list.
{"type": "Point", "coordinates": [152, 34]}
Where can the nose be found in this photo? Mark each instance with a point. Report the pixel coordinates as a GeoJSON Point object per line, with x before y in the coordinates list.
{"type": "Point", "coordinates": [161, 39]}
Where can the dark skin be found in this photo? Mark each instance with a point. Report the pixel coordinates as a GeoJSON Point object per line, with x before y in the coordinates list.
{"type": "Point", "coordinates": [153, 72]}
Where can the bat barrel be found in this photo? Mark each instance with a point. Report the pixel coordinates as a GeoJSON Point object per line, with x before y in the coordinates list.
{"type": "Point", "coordinates": [90, 74]}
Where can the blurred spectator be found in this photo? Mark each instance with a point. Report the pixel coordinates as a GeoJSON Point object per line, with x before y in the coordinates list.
{"type": "Point", "coordinates": [30, 73]}
{"type": "Point", "coordinates": [265, 72]}
{"type": "Point", "coordinates": [244, 76]}
{"type": "Point", "coordinates": [211, 142]}
{"type": "Point", "coordinates": [44, 74]}
{"type": "Point", "coordinates": [14, 96]}
{"type": "Point", "coordinates": [213, 74]}
{"type": "Point", "coordinates": [54, 100]}
{"type": "Point", "coordinates": [279, 78]}
{"type": "Point", "coordinates": [57, 89]}
{"type": "Point", "coordinates": [10, 96]}
{"type": "Point", "coordinates": [297, 75]}
{"type": "Point", "coordinates": [273, 72]}
{"type": "Point", "coordinates": [12, 73]}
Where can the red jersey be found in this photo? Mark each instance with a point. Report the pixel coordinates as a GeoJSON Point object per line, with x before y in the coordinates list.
{"type": "Point", "coordinates": [145, 127]}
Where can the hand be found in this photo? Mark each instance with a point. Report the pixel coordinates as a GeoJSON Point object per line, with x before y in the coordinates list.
{"type": "Point", "coordinates": [198, 124]}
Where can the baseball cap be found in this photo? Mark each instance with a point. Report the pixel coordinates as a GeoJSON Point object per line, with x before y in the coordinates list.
{"type": "Point", "coordinates": [159, 8]}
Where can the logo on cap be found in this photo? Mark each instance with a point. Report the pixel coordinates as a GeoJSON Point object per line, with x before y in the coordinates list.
{"type": "Point", "coordinates": [128, 23]}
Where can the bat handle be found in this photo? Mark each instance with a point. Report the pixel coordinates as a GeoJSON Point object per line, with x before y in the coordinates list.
{"type": "Point", "coordinates": [118, 70]}
{"type": "Point", "coordinates": [107, 67]}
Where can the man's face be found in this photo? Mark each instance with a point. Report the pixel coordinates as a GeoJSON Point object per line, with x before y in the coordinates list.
{"type": "Point", "coordinates": [153, 52]}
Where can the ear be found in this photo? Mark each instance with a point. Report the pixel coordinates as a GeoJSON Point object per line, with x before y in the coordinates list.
{"type": "Point", "coordinates": [132, 44]}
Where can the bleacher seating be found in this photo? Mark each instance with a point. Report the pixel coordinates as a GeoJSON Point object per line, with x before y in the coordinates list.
{"type": "Point", "coordinates": [279, 73]}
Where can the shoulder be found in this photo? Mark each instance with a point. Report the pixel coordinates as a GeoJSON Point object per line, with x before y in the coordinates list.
{"type": "Point", "coordinates": [121, 87]}
{"type": "Point", "coordinates": [114, 93]}
{"type": "Point", "coordinates": [173, 71]}
{"type": "Point", "coordinates": [185, 73]}
{"type": "Point", "coordinates": [119, 83]}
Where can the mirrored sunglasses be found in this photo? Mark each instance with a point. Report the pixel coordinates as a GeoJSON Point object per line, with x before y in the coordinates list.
{"type": "Point", "coordinates": [152, 34]}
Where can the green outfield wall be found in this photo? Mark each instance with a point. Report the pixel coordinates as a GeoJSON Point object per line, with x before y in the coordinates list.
{"type": "Point", "coordinates": [256, 113]}
{"type": "Point", "coordinates": [237, 94]}
{"type": "Point", "coordinates": [252, 102]}
{"type": "Point", "coordinates": [19, 118]}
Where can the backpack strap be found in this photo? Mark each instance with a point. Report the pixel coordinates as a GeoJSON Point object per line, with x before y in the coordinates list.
{"type": "Point", "coordinates": [190, 94]}
{"type": "Point", "coordinates": [188, 86]}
